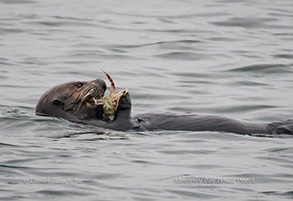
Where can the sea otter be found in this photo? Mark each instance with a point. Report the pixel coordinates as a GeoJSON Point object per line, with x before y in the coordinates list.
{"type": "Point", "coordinates": [84, 102]}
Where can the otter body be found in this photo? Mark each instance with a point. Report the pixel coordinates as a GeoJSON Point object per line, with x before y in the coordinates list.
{"type": "Point", "coordinates": [71, 101]}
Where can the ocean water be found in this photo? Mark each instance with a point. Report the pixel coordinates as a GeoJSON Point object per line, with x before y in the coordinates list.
{"type": "Point", "coordinates": [222, 57]}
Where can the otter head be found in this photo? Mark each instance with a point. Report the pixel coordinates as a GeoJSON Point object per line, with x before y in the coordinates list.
{"type": "Point", "coordinates": [73, 100]}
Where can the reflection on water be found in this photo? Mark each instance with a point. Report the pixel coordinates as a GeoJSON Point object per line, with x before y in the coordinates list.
{"type": "Point", "coordinates": [229, 58]}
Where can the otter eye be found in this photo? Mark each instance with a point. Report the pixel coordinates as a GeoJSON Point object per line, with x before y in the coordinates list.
{"type": "Point", "coordinates": [58, 103]}
{"type": "Point", "coordinates": [78, 84]}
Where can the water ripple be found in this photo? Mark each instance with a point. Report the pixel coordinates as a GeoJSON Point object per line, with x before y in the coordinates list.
{"type": "Point", "coordinates": [17, 2]}
{"type": "Point", "coordinates": [265, 68]}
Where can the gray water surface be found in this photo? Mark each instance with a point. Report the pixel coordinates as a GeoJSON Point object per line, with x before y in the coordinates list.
{"type": "Point", "coordinates": [221, 57]}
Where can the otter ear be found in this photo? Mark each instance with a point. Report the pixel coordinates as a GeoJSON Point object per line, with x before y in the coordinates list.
{"type": "Point", "coordinates": [58, 103]}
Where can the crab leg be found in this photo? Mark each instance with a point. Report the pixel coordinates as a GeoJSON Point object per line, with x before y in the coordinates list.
{"type": "Point", "coordinates": [99, 101]}
{"type": "Point", "coordinates": [114, 98]}
{"type": "Point", "coordinates": [117, 96]}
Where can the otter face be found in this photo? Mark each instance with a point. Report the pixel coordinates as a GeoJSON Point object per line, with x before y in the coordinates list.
{"type": "Point", "coordinates": [73, 99]}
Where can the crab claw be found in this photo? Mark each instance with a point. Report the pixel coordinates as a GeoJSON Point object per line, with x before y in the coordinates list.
{"type": "Point", "coordinates": [112, 87]}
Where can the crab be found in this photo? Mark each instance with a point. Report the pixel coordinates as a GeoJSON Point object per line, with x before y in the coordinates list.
{"type": "Point", "coordinates": [110, 102]}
